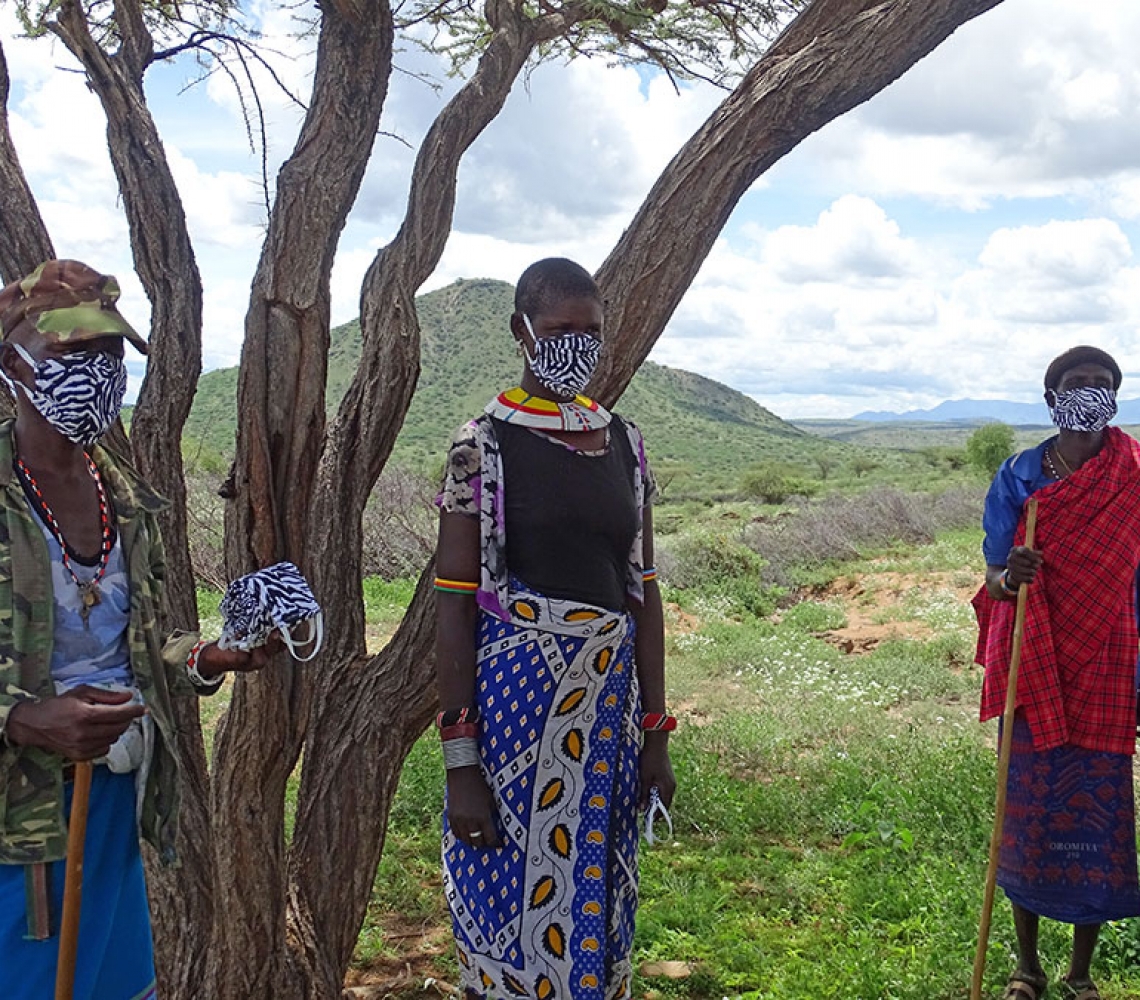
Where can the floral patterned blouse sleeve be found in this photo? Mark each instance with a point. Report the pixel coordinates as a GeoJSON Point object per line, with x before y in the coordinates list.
{"type": "Point", "coordinates": [459, 493]}
{"type": "Point", "coordinates": [650, 485]}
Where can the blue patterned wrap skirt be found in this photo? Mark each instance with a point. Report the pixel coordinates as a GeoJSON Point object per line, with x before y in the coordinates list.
{"type": "Point", "coordinates": [1068, 848]}
{"type": "Point", "coordinates": [550, 913]}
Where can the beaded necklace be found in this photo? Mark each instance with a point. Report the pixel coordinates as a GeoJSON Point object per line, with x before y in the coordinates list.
{"type": "Point", "coordinates": [1061, 458]}
{"type": "Point", "coordinates": [1052, 469]}
{"type": "Point", "coordinates": [89, 593]}
{"type": "Point", "coordinates": [517, 406]}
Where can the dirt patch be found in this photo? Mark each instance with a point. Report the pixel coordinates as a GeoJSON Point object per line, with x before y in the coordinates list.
{"type": "Point", "coordinates": [876, 606]}
{"type": "Point", "coordinates": [678, 622]}
{"type": "Point", "coordinates": [413, 970]}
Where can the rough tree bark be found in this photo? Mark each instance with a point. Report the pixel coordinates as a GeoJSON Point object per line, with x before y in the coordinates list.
{"type": "Point", "coordinates": [24, 239]}
{"type": "Point", "coordinates": [330, 842]}
{"type": "Point", "coordinates": [281, 399]}
{"type": "Point", "coordinates": [164, 261]}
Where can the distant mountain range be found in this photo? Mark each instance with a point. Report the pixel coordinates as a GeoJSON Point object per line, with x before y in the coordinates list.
{"type": "Point", "coordinates": [982, 410]}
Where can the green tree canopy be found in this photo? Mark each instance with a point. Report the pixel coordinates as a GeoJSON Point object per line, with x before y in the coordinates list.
{"type": "Point", "coordinates": [989, 446]}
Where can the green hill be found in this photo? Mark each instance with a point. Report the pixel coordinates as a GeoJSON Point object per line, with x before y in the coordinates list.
{"type": "Point", "coordinates": [701, 434]}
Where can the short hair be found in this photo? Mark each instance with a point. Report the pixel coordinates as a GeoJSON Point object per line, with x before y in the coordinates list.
{"type": "Point", "coordinates": [1082, 355]}
{"type": "Point", "coordinates": [549, 281]}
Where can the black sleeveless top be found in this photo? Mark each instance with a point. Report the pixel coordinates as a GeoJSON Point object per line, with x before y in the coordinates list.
{"type": "Point", "coordinates": [571, 517]}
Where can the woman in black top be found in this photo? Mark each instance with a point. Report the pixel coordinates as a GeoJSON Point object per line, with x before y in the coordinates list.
{"type": "Point", "coordinates": [550, 663]}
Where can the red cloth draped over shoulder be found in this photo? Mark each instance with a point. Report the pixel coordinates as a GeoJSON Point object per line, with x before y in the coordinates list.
{"type": "Point", "coordinates": [1077, 678]}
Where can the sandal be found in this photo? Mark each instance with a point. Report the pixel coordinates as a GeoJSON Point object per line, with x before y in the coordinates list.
{"type": "Point", "coordinates": [1081, 990]}
{"type": "Point", "coordinates": [1023, 987]}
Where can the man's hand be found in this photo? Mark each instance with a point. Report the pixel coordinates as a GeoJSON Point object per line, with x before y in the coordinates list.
{"type": "Point", "coordinates": [213, 661]}
{"type": "Point", "coordinates": [80, 724]}
{"type": "Point", "coordinates": [1022, 565]}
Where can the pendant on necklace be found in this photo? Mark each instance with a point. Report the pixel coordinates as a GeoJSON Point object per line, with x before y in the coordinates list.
{"type": "Point", "coordinates": [89, 596]}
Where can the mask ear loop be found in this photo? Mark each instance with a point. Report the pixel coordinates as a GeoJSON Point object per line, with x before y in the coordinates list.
{"type": "Point", "coordinates": [530, 358]}
{"type": "Point", "coordinates": [656, 809]}
{"type": "Point", "coordinates": [316, 636]}
{"type": "Point", "coordinates": [12, 383]}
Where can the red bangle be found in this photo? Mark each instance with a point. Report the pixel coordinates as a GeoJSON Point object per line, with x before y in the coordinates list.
{"type": "Point", "coordinates": [192, 668]}
{"type": "Point", "coordinates": [457, 716]}
{"type": "Point", "coordinates": [459, 731]}
{"type": "Point", "coordinates": [658, 722]}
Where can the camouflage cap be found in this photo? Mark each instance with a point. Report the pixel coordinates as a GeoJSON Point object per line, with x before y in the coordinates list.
{"type": "Point", "coordinates": [66, 301]}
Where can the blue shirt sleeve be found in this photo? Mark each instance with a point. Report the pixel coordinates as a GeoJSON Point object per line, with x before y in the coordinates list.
{"type": "Point", "coordinates": [1018, 478]}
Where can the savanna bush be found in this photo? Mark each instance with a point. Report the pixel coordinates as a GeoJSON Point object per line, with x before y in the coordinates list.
{"type": "Point", "coordinates": [838, 528]}
{"type": "Point", "coordinates": [715, 569]}
{"type": "Point", "coordinates": [399, 525]}
{"type": "Point", "coordinates": [205, 516]}
{"type": "Point", "coordinates": [771, 484]}
{"type": "Point", "coordinates": [702, 556]}
{"type": "Point", "coordinates": [989, 446]}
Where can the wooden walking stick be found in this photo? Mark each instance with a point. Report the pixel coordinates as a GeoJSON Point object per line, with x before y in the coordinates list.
{"type": "Point", "coordinates": [73, 882]}
{"type": "Point", "coordinates": [1003, 767]}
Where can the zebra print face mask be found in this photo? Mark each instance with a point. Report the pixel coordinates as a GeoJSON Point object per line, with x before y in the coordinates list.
{"type": "Point", "coordinates": [79, 394]}
{"type": "Point", "coordinates": [1086, 408]}
{"type": "Point", "coordinates": [563, 364]}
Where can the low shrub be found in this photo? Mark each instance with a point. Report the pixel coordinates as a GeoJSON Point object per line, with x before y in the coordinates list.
{"type": "Point", "coordinates": [399, 525]}
{"type": "Point", "coordinates": [694, 558]}
{"type": "Point", "coordinates": [838, 527]}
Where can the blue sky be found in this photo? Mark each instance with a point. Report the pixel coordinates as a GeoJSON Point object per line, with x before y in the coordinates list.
{"type": "Point", "coordinates": [945, 240]}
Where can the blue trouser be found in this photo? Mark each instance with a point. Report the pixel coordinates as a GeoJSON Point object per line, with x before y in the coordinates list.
{"type": "Point", "coordinates": [116, 956]}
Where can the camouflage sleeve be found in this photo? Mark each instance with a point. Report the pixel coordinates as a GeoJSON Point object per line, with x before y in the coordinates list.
{"type": "Point", "coordinates": [175, 652]}
{"type": "Point", "coordinates": [176, 648]}
{"type": "Point", "coordinates": [10, 696]}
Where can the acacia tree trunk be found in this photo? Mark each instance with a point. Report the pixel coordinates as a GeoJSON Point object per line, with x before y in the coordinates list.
{"type": "Point", "coordinates": [24, 239]}
{"type": "Point", "coordinates": [281, 399]}
{"type": "Point", "coordinates": [165, 263]}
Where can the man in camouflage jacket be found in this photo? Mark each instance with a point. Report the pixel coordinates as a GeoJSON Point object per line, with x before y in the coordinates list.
{"type": "Point", "coordinates": [62, 355]}
{"type": "Point", "coordinates": [31, 779]}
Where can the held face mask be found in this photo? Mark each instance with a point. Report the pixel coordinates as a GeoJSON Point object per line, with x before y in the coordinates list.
{"type": "Point", "coordinates": [277, 597]}
{"type": "Point", "coordinates": [1086, 408]}
{"type": "Point", "coordinates": [563, 364]}
{"type": "Point", "coordinates": [79, 394]}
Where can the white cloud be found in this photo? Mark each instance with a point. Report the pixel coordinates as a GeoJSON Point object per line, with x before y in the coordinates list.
{"type": "Point", "coordinates": [852, 241]}
{"type": "Point", "coordinates": [1032, 99]}
{"type": "Point", "coordinates": [947, 327]}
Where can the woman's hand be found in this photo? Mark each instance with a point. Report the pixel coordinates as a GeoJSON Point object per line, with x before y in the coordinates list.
{"type": "Point", "coordinates": [471, 807]}
{"type": "Point", "coordinates": [1022, 565]}
{"type": "Point", "coordinates": [656, 770]}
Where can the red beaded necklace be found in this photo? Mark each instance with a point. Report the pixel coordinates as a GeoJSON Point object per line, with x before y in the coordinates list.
{"type": "Point", "coordinates": [89, 594]}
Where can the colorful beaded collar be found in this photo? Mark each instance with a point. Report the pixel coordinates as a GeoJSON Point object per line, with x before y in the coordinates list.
{"type": "Point", "coordinates": [517, 406]}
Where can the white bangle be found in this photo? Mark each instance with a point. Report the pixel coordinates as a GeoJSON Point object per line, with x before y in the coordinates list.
{"type": "Point", "coordinates": [192, 670]}
{"type": "Point", "coordinates": [463, 751]}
